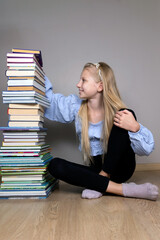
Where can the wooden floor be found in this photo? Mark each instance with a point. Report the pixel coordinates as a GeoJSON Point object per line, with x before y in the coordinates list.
{"type": "Point", "coordinates": [66, 216]}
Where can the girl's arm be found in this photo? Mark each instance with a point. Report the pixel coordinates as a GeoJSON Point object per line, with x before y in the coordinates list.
{"type": "Point", "coordinates": [62, 109]}
{"type": "Point", "coordinates": [141, 138]}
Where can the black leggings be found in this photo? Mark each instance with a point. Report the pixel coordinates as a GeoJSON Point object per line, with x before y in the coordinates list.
{"type": "Point", "coordinates": [119, 162]}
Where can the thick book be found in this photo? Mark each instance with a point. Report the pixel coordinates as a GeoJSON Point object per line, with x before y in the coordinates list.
{"type": "Point", "coordinates": [26, 73]}
{"type": "Point", "coordinates": [30, 106]}
{"type": "Point", "coordinates": [26, 88]}
{"type": "Point", "coordinates": [25, 111]}
{"type": "Point", "coordinates": [26, 118]}
{"type": "Point", "coordinates": [24, 124]}
{"type": "Point", "coordinates": [37, 53]}
{"type": "Point", "coordinates": [22, 78]}
{"type": "Point", "coordinates": [26, 83]}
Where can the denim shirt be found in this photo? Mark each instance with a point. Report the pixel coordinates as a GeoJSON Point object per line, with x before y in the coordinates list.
{"type": "Point", "coordinates": [65, 110]}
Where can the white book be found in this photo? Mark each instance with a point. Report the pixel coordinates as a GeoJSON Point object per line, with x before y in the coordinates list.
{"type": "Point", "coordinates": [27, 73]}
{"type": "Point", "coordinates": [22, 136]}
{"type": "Point", "coordinates": [23, 83]}
{"type": "Point", "coordinates": [23, 144]}
{"type": "Point", "coordinates": [23, 55]}
{"type": "Point", "coordinates": [26, 118]}
{"type": "Point", "coordinates": [24, 139]}
{"type": "Point", "coordinates": [26, 134]}
{"type": "Point", "coordinates": [36, 148]}
{"type": "Point", "coordinates": [23, 93]}
{"type": "Point", "coordinates": [16, 64]}
{"type": "Point", "coordinates": [24, 124]}
{"type": "Point", "coordinates": [21, 60]}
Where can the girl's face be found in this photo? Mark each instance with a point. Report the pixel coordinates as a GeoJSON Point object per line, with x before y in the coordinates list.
{"type": "Point", "coordinates": [88, 87]}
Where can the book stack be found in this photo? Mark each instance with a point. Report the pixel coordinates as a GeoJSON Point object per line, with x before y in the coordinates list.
{"type": "Point", "coordinates": [25, 78]}
{"type": "Point", "coordinates": [24, 155]}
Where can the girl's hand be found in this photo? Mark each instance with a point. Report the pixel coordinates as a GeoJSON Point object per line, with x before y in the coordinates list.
{"type": "Point", "coordinates": [125, 119]}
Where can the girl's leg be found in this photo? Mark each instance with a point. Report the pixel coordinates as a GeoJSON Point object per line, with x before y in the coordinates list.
{"type": "Point", "coordinates": [119, 161]}
{"type": "Point", "coordinates": [77, 174]}
{"type": "Point", "coordinates": [119, 165]}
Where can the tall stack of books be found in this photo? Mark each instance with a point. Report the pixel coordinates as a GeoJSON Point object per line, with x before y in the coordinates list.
{"type": "Point", "coordinates": [24, 154]}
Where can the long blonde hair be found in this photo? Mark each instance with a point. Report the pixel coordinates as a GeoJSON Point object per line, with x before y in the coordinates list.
{"type": "Point", "coordinates": [112, 103]}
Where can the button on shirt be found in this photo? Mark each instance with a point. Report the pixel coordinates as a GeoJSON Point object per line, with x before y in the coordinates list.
{"type": "Point", "coordinates": [65, 110]}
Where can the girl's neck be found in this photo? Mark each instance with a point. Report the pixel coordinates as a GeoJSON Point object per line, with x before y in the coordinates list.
{"type": "Point", "coordinates": [95, 110]}
{"type": "Point", "coordinates": [95, 104]}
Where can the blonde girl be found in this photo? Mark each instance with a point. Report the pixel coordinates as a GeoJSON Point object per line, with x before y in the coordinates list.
{"type": "Point", "coordinates": [109, 136]}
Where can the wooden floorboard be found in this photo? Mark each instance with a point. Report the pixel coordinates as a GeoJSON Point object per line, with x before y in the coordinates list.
{"type": "Point", "coordinates": [66, 216]}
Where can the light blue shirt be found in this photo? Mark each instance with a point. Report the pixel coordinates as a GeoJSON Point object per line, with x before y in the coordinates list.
{"type": "Point", "coordinates": [65, 110]}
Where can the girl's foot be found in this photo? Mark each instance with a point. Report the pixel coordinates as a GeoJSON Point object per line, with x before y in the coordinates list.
{"type": "Point", "coordinates": [146, 190]}
{"type": "Point", "coordinates": [91, 194]}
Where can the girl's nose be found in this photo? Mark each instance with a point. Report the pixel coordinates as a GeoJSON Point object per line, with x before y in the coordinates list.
{"type": "Point", "coordinates": [79, 84]}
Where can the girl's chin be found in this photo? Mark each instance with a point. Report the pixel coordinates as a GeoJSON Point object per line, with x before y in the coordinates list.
{"type": "Point", "coordinates": [82, 97]}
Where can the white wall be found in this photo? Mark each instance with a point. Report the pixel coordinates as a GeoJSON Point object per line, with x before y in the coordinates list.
{"type": "Point", "coordinates": [123, 33]}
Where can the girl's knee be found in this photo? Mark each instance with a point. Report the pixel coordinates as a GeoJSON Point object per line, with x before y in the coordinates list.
{"type": "Point", "coordinates": [53, 166]}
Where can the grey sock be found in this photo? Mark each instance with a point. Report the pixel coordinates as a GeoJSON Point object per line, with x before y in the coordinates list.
{"type": "Point", "coordinates": [91, 194]}
{"type": "Point", "coordinates": [146, 190]}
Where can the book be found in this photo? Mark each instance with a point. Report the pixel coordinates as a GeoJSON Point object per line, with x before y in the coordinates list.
{"type": "Point", "coordinates": [27, 73]}
{"type": "Point", "coordinates": [23, 94]}
{"type": "Point", "coordinates": [24, 124]}
{"type": "Point", "coordinates": [25, 111]}
{"type": "Point", "coordinates": [25, 149]}
{"type": "Point", "coordinates": [24, 78]}
{"type": "Point", "coordinates": [26, 67]}
{"type": "Point", "coordinates": [37, 53]}
{"type": "Point", "coordinates": [19, 64]}
{"type": "Point", "coordinates": [25, 83]}
{"type": "Point", "coordinates": [25, 88]}
{"type": "Point", "coordinates": [24, 139]}
{"type": "Point", "coordinates": [22, 177]}
{"type": "Point", "coordinates": [20, 55]}
{"type": "Point", "coordinates": [26, 134]}
{"type": "Point", "coordinates": [42, 157]}
{"type": "Point", "coordinates": [24, 106]}
{"type": "Point", "coordinates": [23, 143]}
{"type": "Point", "coordinates": [22, 129]}
{"type": "Point", "coordinates": [26, 118]}
{"type": "Point", "coordinates": [23, 136]}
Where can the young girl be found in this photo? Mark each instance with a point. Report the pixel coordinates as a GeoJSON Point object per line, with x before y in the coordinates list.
{"type": "Point", "coordinates": [109, 136]}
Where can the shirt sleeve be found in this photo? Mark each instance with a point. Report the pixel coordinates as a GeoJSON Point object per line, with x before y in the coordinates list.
{"type": "Point", "coordinates": [142, 142]}
{"type": "Point", "coordinates": [62, 109]}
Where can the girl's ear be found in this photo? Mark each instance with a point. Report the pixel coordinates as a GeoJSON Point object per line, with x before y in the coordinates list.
{"type": "Point", "coordinates": [100, 87]}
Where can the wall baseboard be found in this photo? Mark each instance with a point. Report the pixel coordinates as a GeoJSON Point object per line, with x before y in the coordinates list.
{"type": "Point", "coordinates": [148, 167]}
